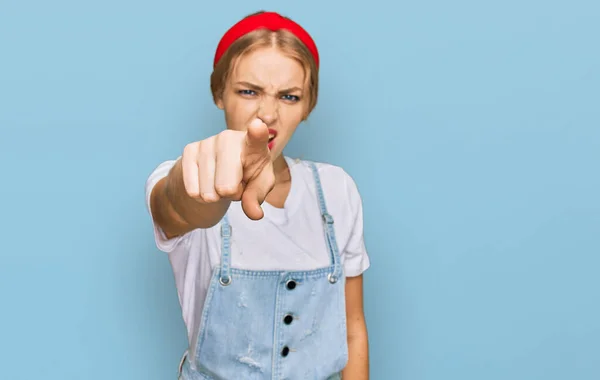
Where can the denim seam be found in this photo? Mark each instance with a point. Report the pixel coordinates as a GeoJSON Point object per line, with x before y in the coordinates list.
{"type": "Point", "coordinates": [277, 273]}
{"type": "Point", "coordinates": [206, 308]}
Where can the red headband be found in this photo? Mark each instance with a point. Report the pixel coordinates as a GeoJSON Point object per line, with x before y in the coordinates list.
{"type": "Point", "coordinates": [269, 20]}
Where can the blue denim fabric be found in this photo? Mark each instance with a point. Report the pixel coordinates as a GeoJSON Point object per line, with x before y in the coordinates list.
{"type": "Point", "coordinates": [272, 324]}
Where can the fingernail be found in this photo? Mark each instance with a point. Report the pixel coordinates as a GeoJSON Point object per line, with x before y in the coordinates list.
{"type": "Point", "coordinates": [209, 196]}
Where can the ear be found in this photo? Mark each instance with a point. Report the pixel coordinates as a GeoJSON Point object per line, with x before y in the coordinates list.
{"type": "Point", "coordinates": [219, 102]}
{"type": "Point", "coordinates": [306, 114]}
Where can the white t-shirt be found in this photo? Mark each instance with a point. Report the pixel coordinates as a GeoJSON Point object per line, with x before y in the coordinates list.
{"type": "Point", "coordinates": [289, 238]}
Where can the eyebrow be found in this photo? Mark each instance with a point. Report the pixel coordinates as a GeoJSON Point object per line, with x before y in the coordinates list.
{"type": "Point", "coordinates": [258, 88]}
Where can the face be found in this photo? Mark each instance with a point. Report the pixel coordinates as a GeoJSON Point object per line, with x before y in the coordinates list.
{"type": "Point", "coordinates": [268, 85]}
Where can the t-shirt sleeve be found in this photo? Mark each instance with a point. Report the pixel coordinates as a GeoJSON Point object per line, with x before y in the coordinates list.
{"type": "Point", "coordinates": [356, 258]}
{"type": "Point", "coordinates": [162, 242]}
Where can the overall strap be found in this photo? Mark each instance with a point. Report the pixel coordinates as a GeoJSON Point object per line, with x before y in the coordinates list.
{"type": "Point", "coordinates": [329, 230]}
{"type": "Point", "coordinates": [225, 275]}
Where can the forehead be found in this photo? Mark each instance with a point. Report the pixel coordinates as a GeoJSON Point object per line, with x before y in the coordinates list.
{"type": "Point", "coordinates": [269, 66]}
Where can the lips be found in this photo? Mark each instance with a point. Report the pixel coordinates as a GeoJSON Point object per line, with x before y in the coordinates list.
{"type": "Point", "coordinates": [272, 135]}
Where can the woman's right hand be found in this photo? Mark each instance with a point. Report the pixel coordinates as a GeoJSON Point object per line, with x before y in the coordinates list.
{"type": "Point", "coordinates": [232, 165]}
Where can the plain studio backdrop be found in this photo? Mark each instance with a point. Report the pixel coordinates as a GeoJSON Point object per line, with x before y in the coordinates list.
{"type": "Point", "coordinates": [472, 129]}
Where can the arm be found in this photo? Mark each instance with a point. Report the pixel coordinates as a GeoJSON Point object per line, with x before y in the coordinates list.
{"type": "Point", "coordinates": [358, 345]}
{"type": "Point", "coordinates": [232, 165]}
{"type": "Point", "coordinates": [175, 212]}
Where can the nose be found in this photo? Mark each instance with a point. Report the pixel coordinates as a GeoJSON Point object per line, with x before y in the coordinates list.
{"type": "Point", "coordinates": [268, 110]}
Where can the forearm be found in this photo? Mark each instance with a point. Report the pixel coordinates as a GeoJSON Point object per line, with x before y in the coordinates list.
{"type": "Point", "coordinates": [176, 212]}
{"type": "Point", "coordinates": [358, 357]}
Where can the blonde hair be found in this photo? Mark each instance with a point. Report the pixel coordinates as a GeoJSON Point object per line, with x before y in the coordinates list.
{"type": "Point", "coordinates": [282, 39]}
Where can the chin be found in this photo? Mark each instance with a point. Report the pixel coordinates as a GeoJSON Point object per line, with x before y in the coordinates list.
{"type": "Point", "coordinates": [275, 154]}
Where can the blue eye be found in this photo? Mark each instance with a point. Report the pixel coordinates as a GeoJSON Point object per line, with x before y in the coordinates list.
{"type": "Point", "coordinates": [292, 98]}
{"type": "Point", "coordinates": [247, 92]}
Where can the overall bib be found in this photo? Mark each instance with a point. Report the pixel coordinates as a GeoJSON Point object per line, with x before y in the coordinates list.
{"type": "Point", "coordinates": [278, 325]}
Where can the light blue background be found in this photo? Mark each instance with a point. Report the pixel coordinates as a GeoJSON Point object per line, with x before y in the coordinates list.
{"type": "Point", "coordinates": [472, 129]}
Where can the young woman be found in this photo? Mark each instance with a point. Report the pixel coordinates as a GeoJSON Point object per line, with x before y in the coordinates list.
{"type": "Point", "coordinates": [268, 252]}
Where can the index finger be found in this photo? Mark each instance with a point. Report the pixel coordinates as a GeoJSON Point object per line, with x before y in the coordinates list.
{"type": "Point", "coordinates": [257, 137]}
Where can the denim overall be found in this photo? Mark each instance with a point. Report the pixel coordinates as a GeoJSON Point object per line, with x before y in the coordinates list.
{"type": "Point", "coordinates": [272, 324]}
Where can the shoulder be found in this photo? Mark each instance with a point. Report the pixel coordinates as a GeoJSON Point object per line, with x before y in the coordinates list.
{"type": "Point", "coordinates": [160, 170]}
{"type": "Point", "coordinates": [331, 176]}
{"type": "Point", "coordinates": [344, 203]}
{"type": "Point", "coordinates": [339, 187]}
{"type": "Point", "coordinates": [162, 242]}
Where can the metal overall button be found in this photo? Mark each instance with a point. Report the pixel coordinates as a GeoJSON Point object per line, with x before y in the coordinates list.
{"type": "Point", "coordinates": [225, 280]}
{"type": "Point", "coordinates": [332, 278]}
{"type": "Point", "coordinates": [290, 284]}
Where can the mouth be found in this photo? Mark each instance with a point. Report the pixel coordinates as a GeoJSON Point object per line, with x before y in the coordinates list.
{"type": "Point", "coordinates": [272, 135]}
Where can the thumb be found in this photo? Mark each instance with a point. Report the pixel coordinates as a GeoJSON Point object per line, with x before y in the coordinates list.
{"type": "Point", "coordinates": [257, 137]}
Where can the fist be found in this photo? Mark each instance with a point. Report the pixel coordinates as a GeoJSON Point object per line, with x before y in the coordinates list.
{"type": "Point", "coordinates": [232, 165]}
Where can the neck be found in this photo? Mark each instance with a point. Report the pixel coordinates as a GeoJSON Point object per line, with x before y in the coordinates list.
{"type": "Point", "coordinates": [281, 169]}
{"type": "Point", "coordinates": [283, 182]}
